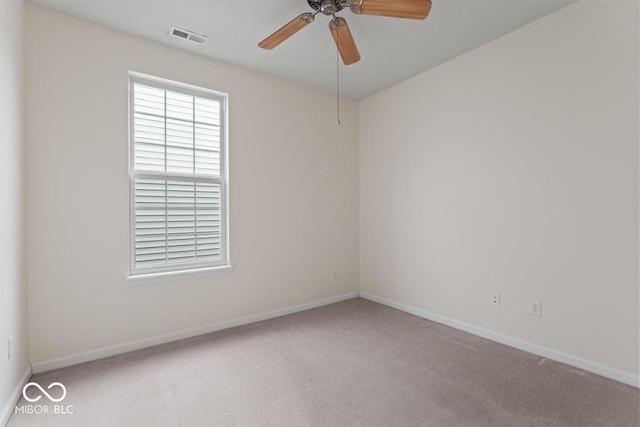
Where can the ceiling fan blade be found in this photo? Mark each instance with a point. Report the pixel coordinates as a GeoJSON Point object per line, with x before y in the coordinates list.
{"type": "Point", "coordinates": [296, 24]}
{"type": "Point", "coordinates": [344, 41]}
{"type": "Point", "coordinates": [409, 9]}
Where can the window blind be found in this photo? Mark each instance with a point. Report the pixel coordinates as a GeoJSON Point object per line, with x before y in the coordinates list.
{"type": "Point", "coordinates": [177, 179]}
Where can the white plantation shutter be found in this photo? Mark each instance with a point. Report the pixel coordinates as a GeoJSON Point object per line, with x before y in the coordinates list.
{"type": "Point", "coordinates": [177, 178]}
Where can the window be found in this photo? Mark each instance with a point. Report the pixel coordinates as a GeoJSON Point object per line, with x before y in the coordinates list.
{"type": "Point", "coordinates": [177, 177]}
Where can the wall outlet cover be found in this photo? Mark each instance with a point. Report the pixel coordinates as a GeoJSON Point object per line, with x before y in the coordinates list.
{"type": "Point", "coordinates": [535, 308]}
{"type": "Point", "coordinates": [495, 299]}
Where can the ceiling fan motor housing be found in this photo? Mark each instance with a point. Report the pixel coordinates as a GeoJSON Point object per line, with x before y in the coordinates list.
{"type": "Point", "coordinates": [327, 7]}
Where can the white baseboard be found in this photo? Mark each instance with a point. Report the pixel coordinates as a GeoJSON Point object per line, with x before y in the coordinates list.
{"type": "Point", "coordinates": [605, 371]}
{"type": "Point", "coordinates": [100, 353]}
{"type": "Point", "coordinates": [88, 356]}
{"type": "Point", "coordinates": [7, 410]}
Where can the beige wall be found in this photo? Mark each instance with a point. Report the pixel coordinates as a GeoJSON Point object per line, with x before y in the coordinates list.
{"type": "Point", "coordinates": [294, 186]}
{"type": "Point", "coordinates": [514, 169]}
{"type": "Point", "coordinates": [13, 309]}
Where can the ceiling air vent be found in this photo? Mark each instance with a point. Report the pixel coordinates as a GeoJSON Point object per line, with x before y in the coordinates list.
{"type": "Point", "coordinates": [187, 35]}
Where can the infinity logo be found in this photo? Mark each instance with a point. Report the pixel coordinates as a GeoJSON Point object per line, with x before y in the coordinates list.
{"type": "Point", "coordinates": [64, 392]}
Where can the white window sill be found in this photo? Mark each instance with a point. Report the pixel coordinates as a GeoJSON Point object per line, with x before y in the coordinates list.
{"type": "Point", "coordinates": [140, 279]}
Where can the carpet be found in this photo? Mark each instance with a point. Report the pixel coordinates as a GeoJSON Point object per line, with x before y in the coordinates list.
{"type": "Point", "coordinates": [354, 363]}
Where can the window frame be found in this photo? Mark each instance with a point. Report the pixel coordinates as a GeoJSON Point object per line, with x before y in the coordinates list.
{"type": "Point", "coordinates": [171, 270]}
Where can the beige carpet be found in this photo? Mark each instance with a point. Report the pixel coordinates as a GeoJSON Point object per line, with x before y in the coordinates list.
{"type": "Point", "coordinates": [354, 363]}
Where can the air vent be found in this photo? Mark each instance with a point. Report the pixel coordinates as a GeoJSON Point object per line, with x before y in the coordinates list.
{"type": "Point", "coordinates": [187, 35]}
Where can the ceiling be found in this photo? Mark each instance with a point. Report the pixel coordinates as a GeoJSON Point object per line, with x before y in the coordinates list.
{"type": "Point", "coordinates": [392, 49]}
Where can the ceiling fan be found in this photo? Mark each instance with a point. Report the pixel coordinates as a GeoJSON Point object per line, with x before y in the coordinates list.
{"type": "Point", "coordinates": [410, 9]}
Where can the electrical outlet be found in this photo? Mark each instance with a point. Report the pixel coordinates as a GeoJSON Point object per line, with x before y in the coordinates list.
{"type": "Point", "coordinates": [535, 308]}
{"type": "Point", "coordinates": [9, 346]}
{"type": "Point", "coordinates": [334, 274]}
{"type": "Point", "coordinates": [495, 299]}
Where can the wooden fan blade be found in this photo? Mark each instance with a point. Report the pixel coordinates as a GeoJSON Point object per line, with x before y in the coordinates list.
{"type": "Point", "coordinates": [409, 9]}
{"type": "Point", "coordinates": [344, 41]}
{"type": "Point", "coordinates": [287, 31]}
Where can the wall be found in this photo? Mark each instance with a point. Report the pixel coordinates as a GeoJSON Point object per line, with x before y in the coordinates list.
{"type": "Point", "coordinates": [13, 309]}
{"type": "Point", "coordinates": [514, 169]}
{"type": "Point", "coordinates": [294, 203]}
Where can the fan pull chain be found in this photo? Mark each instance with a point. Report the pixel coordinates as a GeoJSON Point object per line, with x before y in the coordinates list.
{"type": "Point", "coordinates": [337, 75]}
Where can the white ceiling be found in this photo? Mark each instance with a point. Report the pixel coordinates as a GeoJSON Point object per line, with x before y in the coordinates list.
{"type": "Point", "coordinates": [392, 49]}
